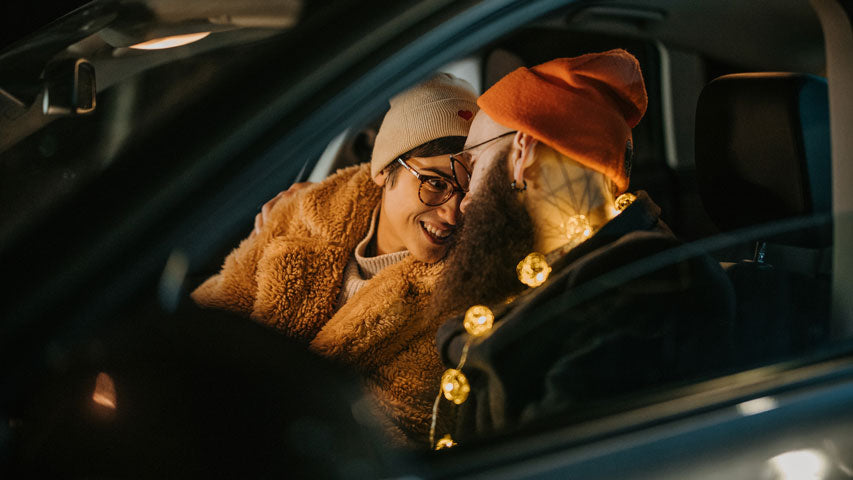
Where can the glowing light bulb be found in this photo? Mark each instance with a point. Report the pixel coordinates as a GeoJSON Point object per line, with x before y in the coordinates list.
{"type": "Point", "coordinates": [578, 228]}
{"type": "Point", "coordinates": [622, 201]}
{"type": "Point", "coordinates": [809, 463]}
{"type": "Point", "coordinates": [533, 270]}
{"type": "Point", "coordinates": [445, 442]}
{"type": "Point", "coordinates": [105, 391]}
{"type": "Point", "coordinates": [478, 320]}
{"type": "Point", "coordinates": [455, 386]}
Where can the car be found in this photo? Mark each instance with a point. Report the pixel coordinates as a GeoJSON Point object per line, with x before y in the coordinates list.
{"type": "Point", "coordinates": [138, 139]}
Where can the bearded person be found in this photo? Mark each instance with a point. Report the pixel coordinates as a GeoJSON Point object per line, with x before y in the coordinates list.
{"type": "Point", "coordinates": [567, 290]}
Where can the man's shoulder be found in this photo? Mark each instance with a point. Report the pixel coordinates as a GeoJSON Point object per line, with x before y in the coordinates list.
{"type": "Point", "coordinates": [636, 245]}
{"type": "Point", "coordinates": [648, 270]}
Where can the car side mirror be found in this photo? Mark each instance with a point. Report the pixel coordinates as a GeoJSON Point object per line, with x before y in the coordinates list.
{"type": "Point", "coordinates": [69, 87]}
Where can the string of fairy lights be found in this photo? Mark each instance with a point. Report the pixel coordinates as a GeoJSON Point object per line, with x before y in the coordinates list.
{"type": "Point", "coordinates": [479, 320]}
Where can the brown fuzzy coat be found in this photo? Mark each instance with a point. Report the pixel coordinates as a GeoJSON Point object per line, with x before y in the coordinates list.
{"type": "Point", "coordinates": [289, 275]}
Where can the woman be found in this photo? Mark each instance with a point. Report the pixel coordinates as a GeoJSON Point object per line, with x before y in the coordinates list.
{"type": "Point", "coordinates": [347, 265]}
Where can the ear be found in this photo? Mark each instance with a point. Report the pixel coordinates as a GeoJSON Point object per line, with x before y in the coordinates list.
{"type": "Point", "coordinates": [380, 177]}
{"type": "Point", "coordinates": [523, 155]}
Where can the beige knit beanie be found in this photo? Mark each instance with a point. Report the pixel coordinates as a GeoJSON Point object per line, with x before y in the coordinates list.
{"type": "Point", "coordinates": [443, 106]}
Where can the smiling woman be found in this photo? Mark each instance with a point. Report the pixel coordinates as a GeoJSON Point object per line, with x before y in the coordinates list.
{"type": "Point", "coordinates": [348, 264]}
{"type": "Point", "coordinates": [422, 226]}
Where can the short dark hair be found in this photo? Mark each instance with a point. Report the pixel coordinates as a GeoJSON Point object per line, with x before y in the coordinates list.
{"type": "Point", "coordinates": [439, 146]}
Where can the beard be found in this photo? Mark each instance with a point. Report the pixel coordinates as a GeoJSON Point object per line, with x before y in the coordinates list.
{"type": "Point", "coordinates": [496, 233]}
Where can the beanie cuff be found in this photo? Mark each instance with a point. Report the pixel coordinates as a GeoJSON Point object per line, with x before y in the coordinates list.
{"type": "Point", "coordinates": [442, 118]}
{"type": "Point", "coordinates": [443, 106]}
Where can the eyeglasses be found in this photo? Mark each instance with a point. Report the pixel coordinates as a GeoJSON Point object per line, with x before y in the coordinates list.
{"type": "Point", "coordinates": [434, 190]}
{"type": "Point", "coordinates": [464, 155]}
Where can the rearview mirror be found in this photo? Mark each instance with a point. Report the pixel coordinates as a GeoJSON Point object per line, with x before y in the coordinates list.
{"type": "Point", "coordinates": [69, 87]}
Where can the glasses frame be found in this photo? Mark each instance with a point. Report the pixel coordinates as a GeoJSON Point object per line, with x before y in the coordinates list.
{"type": "Point", "coordinates": [454, 182]}
{"type": "Point", "coordinates": [472, 147]}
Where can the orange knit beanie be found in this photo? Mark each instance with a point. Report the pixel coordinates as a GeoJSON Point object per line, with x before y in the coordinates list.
{"type": "Point", "coordinates": [583, 107]}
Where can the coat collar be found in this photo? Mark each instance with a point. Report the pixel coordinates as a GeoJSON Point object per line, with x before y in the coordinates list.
{"type": "Point", "coordinates": [387, 311]}
{"type": "Point", "coordinates": [339, 209]}
{"type": "Point", "coordinates": [642, 214]}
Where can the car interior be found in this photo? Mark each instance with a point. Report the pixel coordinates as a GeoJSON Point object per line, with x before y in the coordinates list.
{"type": "Point", "coordinates": [755, 150]}
{"type": "Point", "coordinates": [735, 148]}
{"type": "Point", "coordinates": [776, 166]}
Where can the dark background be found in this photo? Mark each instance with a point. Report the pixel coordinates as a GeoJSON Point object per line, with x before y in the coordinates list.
{"type": "Point", "coordinates": [19, 18]}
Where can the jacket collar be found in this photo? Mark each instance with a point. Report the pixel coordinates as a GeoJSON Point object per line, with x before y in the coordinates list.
{"type": "Point", "coordinates": [642, 214]}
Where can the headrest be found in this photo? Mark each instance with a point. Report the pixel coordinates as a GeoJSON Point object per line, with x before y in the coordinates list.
{"type": "Point", "coordinates": [763, 151]}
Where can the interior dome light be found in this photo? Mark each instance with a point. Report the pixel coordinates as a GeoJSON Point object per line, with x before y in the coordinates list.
{"type": "Point", "coordinates": [170, 42]}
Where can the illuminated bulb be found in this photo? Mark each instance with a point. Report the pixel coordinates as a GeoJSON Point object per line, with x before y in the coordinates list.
{"type": "Point", "coordinates": [444, 442]}
{"type": "Point", "coordinates": [578, 228]}
{"type": "Point", "coordinates": [105, 391]}
{"type": "Point", "coordinates": [455, 386]}
{"type": "Point", "coordinates": [478, 320]}
{"type": "Point", "coordinates": [809, 463]}
{"type": "Point", "coordinates": [622, 201]}
{"type": "Point", "coordinates": [533, 270]}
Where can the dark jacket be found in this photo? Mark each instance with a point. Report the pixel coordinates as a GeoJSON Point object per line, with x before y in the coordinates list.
{"type": "Point", "coordinates": [627, 309]}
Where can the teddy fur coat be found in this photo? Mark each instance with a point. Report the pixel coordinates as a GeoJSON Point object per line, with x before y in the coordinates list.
{"type": "Point", "coordinates": [289, 275]}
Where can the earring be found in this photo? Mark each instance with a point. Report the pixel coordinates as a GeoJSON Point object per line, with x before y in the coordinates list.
{"type": "Point", "coordinates": [515, 187]}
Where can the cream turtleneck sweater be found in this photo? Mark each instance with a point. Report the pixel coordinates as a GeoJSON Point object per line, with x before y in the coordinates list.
{"type": "Point", "coordinates": [361, 268]}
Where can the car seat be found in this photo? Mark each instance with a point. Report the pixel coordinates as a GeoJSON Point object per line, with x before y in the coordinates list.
{"type": "Point", "coordinates": [763, 169]}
